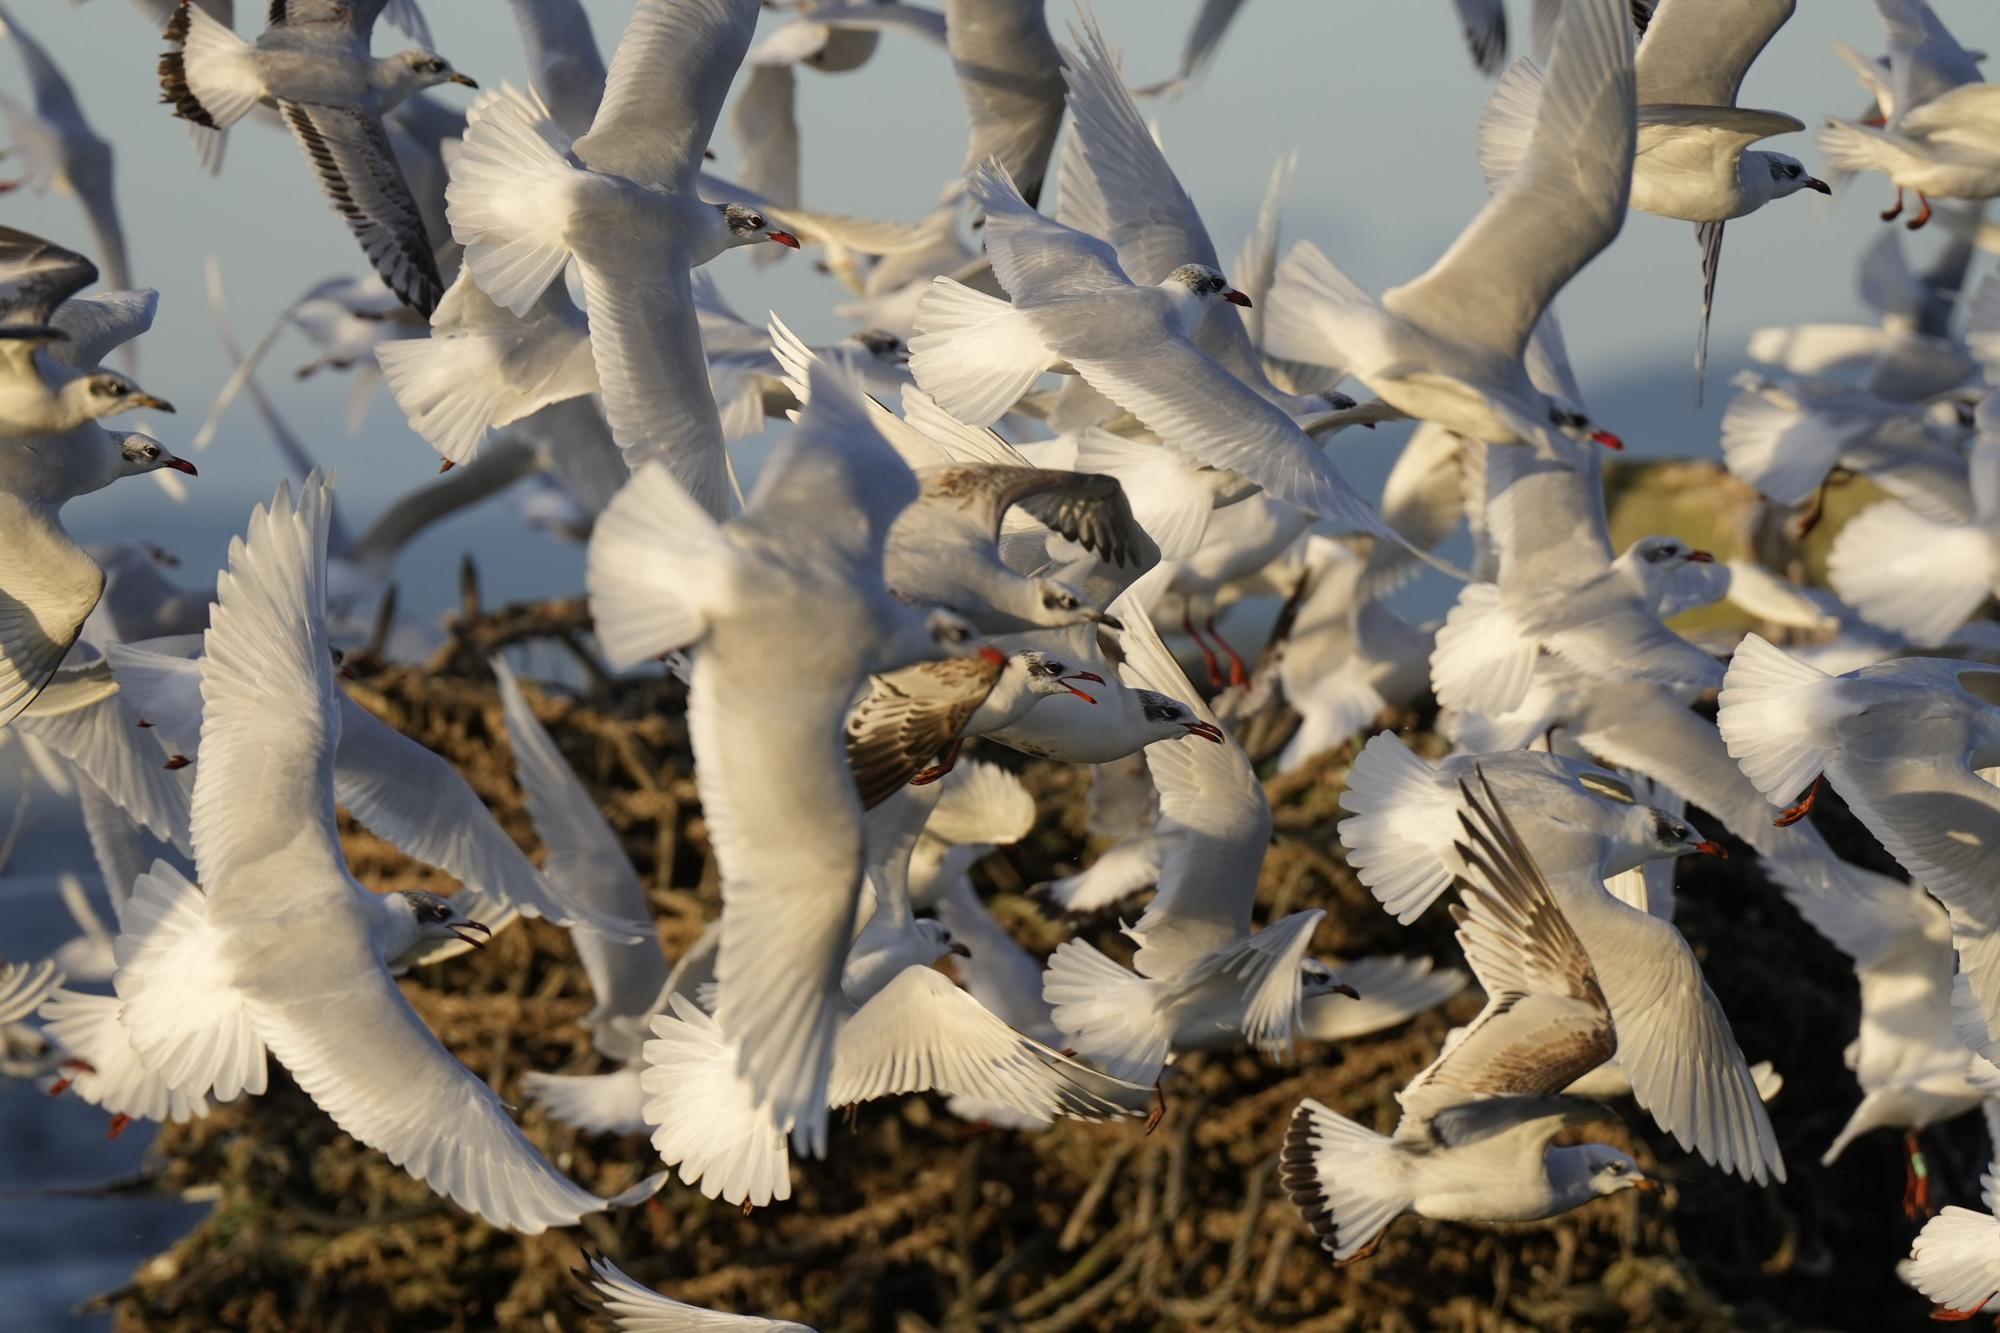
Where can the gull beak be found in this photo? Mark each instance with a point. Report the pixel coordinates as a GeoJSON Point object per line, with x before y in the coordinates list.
{"type": "Point", "coordinates": [784, 238]}
{"type": "Point", "coordinates": [1235, 297]}
{"type": "Point", "coordinates": [1815, 183]}
{"type": "Point", "coordinates": [1648, 1184]}
{"type": "Point", "coordinates": [1090, 676]}
{"type": "Point", "coordinates": [1208, 731]}
{"type": "Point", "coordinates": [460, 929]}
{"type": "Point", "coordinates": [1109, 622]}
{"type": "Point", "coordinates": [175, 763]}
{"type": "Point", "coordinates": [1342, 988]}
{"type": "Point", "coordinates": [992, 656]}
{"type": "Point", "coordinates": [148, 400]}
{"type": "Point", "coordinates": [1607, 439]}
{"type": "Point", "coordinates": [1710, 848]}
{"type": "Point", "coordinates": [1701, 557]}
{"type": "Point", "coordinates": [182, 465]}
{"type": "Point", "coordinates": [1087, 698]}
{"type": "Point", "coordinates": [959, 950]}
{"type": "Point", "coordinates": [463, 80]}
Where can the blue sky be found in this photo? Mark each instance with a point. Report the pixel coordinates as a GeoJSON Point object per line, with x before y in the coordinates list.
{"type": "Point", "coordinates": [1379, 99]}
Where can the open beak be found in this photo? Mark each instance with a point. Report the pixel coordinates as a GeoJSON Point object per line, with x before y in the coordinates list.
{"type": "Point", "coordinates": [1208, 731]}
{"type": "Point", "coordinates": [1607, 439]}
{"type": "Point", "coordinates": [1065, 683]}
{"type": "Point", "coordinates": [461, 929]}
{"type": "Point", "coordinates": [784, 238]}
{"type": "Point", "coordinates": [182, 465]}
{"type": "Point", "coordinates": [959, 950]}
{"type": "Point", "coordinates": [463, 80]}
{"type": "Point", "coordinates": [1648, 1184]}
{"type": "Point", "coordinates": [1702, 557]}
{"type": "Point", "coordinates": [1342, 988]}
{"type": "Point", "coordinates": [1235, 297]}
{"type": "Point", "coordinates": [1712, 849]}
{"type": "Point", "coordinates": [1109, 622]}
{"type": "Point", "coordinates": [992, 656]}
{"type": "Point", "coordinates": [148, 400]}
{"type": "Point", "coordinates": [1815, 183]}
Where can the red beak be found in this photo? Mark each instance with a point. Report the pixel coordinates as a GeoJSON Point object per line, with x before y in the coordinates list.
{"type": "Point", "coordinates": [1090, 676]}
{"type": "Point", "coordinates": [1607, 439]}
{"type": "Point", "coordinates": [1702, 557]}
{"type": "Point", "coordinates": [1065, 682]}
{"type": "Point", "coordinates": [1208, 731]}
{"type": "Point", "coordinates": [1235, 297]}
{"type": "Point", "coordinates": [1713, 849]}
{"type": "Point", "coordinates": [445, 466]}
{"type": "Point", "coordinates": [992, 656]}
{"type": "Point", "coordinates": [182, 465]}
{"type": "Point", "coordinates": [784, 238]}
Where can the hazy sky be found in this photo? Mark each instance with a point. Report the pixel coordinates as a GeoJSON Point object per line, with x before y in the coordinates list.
{"type": "Point", "coordinates": [1378, 96]}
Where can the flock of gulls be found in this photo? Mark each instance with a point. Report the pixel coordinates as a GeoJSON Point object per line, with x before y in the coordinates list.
{"type": "Point", "coordinates": [1064, 424]}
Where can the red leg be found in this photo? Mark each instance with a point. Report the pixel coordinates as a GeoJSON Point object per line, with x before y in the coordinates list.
{"type": "Point", "coordinates": [936, 771]}
{"type": "Point", "coordinates": [1159, 1107]}
{"type": "Point", "coordinates": [1799, 809]}
{"type": "Point", "coordinates": [119, 1123]}
{"type": "Point", "coordinates": [1207, 655]}
{"type": "Point", "coordinates": [1365, 1252]}
{"type": "Point", "coordinates": [1894, 211]}
{"type": "Point", "coordinates": [1923, 214]}
{"type": "Point", "coordinates": [1916, 1180]}
{"type": "Point", "coordinates": [1237, 675]}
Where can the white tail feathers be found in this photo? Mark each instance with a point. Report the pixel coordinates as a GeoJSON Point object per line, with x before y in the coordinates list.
{"type": "Point", "coordinates": [1341, 1177]}
{"type": "Point", "coordinates": [1483, 662]}
{"type": "Point", "coordinates": [1393, 797]}
{"type": "Point", "coordinates": [601, 1103]}
{"type": "Point", "coordinates": [500, 204]}
{"type": "Point", "coordinates": [110, 1073]}
{"type": "Point", "coordinates": [706, 1117]}
{"type": "Point", "coordinates": [446, 387]}
{"type": "Point", "coordinates": [974, 353]}
{"type": "Point", "coordinates": [1764, 719]}
{"type": "Point", "coordinates": [1911, 574]}
{"type": "Point", "coordinates": [1952, 1260]}
{"type": "Point", "coordinates": [650, 549]}
{"type": "Point", "coordinates": [1107, 1012]}
{"type": "Point", "coordinates": [1781, 450]}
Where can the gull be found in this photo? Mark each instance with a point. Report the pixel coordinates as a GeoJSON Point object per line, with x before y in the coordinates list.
{"type": "Point", "coordinates": [622, 201]}
{"type": "Point", "coordinates": [1073, 304]}
{"type": "Point", "coordinates": [1601, 617]}
{"type": "Point", "coordinates": [1204, 977]}
{"type": "Point", "coordinates": [85, 717]}
{"type": "Point", "coordinates": [1400, 831]}
{"type": "Point", "coordinates": [1784, 434]}
{"type": "Point", "coordinates": [637, 1309]}
{"type": "Point", "coordinates": [313, 64]}
{"type": "Point", "coordinates": [630, 980]}
{"type": "Point", "coordinates": [60, 150]}
{"type": "Point", "coordinates": [293, 952]}
{"type": "Point", "coordinates": [1902, 742]}
{"type": "Point", "coordinates": [1955, 1260]}
{"type": "Point", "coordinates": [1449, 346]}
{"type": "Point", "coordinates": [1936, 135]}
{"type": "Point", "coordinates": [1473, 1142]}
{"type": "Point", "coordinates": [52, 382]}
{"type": "Point", "coordinates": [48, 586]}
{"type": "Point", "coordinates": [1389, 990]}
{"type": "Point", "coordinates": [1120, 719]}
{"type": "Point", "coordinates": [395, 787]}
{"type": "Point", "coordinates": [831, 36]}
{"type": "Point", "coordinates": [1693, 157]}
{"type": "Point", "coordinates": [787, 603]}
{"type": "Point", "coordinates": [749, 380]}
{"type": "Point", "coordinates": [1923, 573]}
{"type": "Point", "coordinates": [911, 723]}
{"type": "Point", "coordinates": [24, 988]}
{"type": "Point", "coordinates": [1349, 658]}
{"type": "Point", "coordinates": [1010, 75]}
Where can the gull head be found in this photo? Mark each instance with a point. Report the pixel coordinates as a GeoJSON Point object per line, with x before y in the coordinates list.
{"type": "Point", "coordinates": [103, 393]}
{"type": "Point", "coordinates": [1061, 604]}
{"type": "Point", "coordinates": [747, 227]}
{"type": "Point", "coordinates": [142, 453]}
{"type": "Point", "coordinates": [1579, 427]}
{"type": "Point", "coordinates": [417, 68]}
{"type": "Point", "coordinates": [1655, 560]}
{"type": "Point", "coordinates": [1316, 978]}
{"type": "Point", "coordinates": [434, 918]}
{"type": "Point", "coordinates": [1207, 285]}
{"type": "Point", "coordinates": [1671, 835]}
{"type": "Point", "coordinates": [1047, 675]}
{"type": "Point", "coordinates": [954, 635]}
{"type": "Point", "coordinates": [936, 936]}
{"type": "Point", "coordinates": [1788, 176]}
{"type": "Point", "coordinates": [882, 345]}
{"type": "Point", "coordinates": [1168, 718]}
{"type": "Point", "coordinates": [1605, 1170]}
